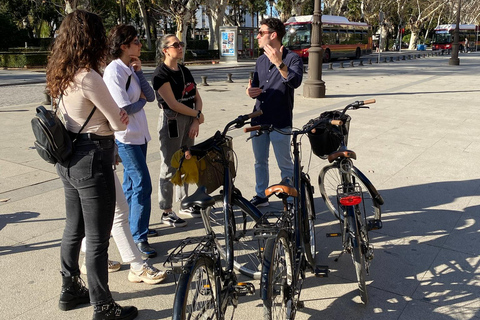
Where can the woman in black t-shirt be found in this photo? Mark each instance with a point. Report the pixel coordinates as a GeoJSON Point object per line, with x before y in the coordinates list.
{"type": "Point", "coordinates": [178, 123]}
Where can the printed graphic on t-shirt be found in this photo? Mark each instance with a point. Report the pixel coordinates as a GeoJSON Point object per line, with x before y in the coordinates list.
{"type": "Point", "coordinates": [188, 88]}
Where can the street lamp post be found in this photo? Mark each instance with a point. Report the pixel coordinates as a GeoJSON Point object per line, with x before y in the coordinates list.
{"type": "Point", "coordinates": [454, 60]}
{"type": "Point", "coordinates": [272, 2]}
{"type": "Point", "coordinates": [314, 87]}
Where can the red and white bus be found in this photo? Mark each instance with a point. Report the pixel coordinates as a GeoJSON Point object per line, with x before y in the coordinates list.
{"type": "Point", "coordinates": [444, 33]}
{"type": "Point", "coordinates": [341, 38]}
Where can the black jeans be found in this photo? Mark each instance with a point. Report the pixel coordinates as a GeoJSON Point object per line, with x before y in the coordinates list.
{"type": "Point", "coordinates": [89, 186]}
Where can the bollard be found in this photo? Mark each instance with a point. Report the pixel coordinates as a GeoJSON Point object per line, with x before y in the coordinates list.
{"type": "Point", "coordinates": [330, 66]}
{"type": "Point", "coordinates": [369, 61]}
{"type": "Point", "coordinates": [424, 55]}
{"type": "Point", "coordinates": [403, 57]}
{"type": "Point", "coordinates": [351, 63]}
{"type": "Point", "coordinates": [391, 59]}
{"type": "Point", "coordinates": [48, 99]}
{"type": "Point", "coordinates": [204, 80]}
{"type": "Point", "coordinates": [229, 78]}
{"type": "Point", "coordinates": [414, 56]}
{"type": "Point", "coordinates": [360, 63]}
{"type": "Point", "coordinates": [398, 58]}
{"type": "Point", "coordinates": [385, 59]}
{"type": "Point", "coordinates": [341, 64]}
{"type": "Point", "coordinates": [251, 75]}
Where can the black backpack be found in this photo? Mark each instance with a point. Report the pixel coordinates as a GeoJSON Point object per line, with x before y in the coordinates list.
{"type": "Point", "coordinates": [52, 141]}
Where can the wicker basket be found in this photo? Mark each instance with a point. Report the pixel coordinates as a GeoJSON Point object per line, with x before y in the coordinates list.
{"type": "Point", "coordinates": [211, 169]}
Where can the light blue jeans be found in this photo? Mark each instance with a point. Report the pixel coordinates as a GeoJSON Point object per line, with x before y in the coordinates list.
{"type": "Point", "coordinates": [261, 150]}
{"type": "Point", "coordinates": [137, 187]}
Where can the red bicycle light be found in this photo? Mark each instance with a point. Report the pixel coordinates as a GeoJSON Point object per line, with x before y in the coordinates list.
{"type": "Point", "coordinates": [350, 200]}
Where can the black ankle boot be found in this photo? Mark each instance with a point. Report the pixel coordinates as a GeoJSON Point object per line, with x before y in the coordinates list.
{"type": "Point", "coordinates": [114, 311]}
{"type": "Point", "coordinates": [73, 293]}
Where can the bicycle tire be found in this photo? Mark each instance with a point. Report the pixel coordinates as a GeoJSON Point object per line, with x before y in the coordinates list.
{"type": "Point", "coordinates": [357, 255]}
{"type": "Point", "coordinates": [247, 248]}
{"type": "Point", "coordinates": [277, 270]}
{"type": "Point", "coordinates": [197, 291]}
{"type": "Point", "coordinates": [329, 179]}
{"type": "Point", "coordinates": [309, 238]}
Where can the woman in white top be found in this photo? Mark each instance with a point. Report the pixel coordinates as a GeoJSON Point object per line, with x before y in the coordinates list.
{"type": "Point", "coordinates": [126, 83]}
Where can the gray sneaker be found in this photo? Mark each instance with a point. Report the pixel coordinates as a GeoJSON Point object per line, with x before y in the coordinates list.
{"type": "Point", "coordinates": [172, 219]}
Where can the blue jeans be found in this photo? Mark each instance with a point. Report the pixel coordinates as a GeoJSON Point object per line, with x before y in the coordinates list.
{"type": "Point", "coordinates": [88, 181]}
{"type": "Point", "coordinates": [261, 150]}
{"type": "Point", "coordinates": [137, 187]}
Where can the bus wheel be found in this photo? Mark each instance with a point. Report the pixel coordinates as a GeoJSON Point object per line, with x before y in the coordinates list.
{"type": "Point", "coordinates": [326, 56]}
{"type": "Point", "coordinates": [358, 53]}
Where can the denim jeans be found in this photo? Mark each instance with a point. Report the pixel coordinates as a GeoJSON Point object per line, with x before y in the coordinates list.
{"type": "Point", "coordinates": [261, 150]}
{"type": "Point", "coordinates": [168, 146]}
{"type": "Point", "coordinates": [90, 204]}
{"type": "Point", "coordinates": [137, 187]}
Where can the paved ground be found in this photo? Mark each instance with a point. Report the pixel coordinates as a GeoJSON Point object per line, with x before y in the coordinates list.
{"type": "Point", "coordinates": [419, 144]}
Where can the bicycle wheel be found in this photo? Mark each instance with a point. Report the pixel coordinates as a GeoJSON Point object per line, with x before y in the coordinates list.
{"type": "Point", "coordinates": [277, 278]}
{"type": "Point", "coordinates": [328, 181]}
{"type": "Point", "coordinates": [308, 231]}
{"type": "Point", "coordinates": [247, 248]}
{"type": "Point", "coordinates": [357, 254]}
{"type": "Point", "coordinates": [196, 292]}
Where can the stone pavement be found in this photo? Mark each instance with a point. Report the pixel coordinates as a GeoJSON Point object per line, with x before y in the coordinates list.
{"type": "Point", "coordinates": [419, 145]}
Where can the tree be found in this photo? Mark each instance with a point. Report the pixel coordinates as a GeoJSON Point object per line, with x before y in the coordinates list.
{"type": "Point", "coordinates": [215, 10]}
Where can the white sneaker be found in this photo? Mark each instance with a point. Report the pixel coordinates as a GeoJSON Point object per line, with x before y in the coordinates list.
{"type": "Point", "coordinates": [148, 274]}
{"type": "Point", "coordinates": [112, 266]}
{"type": "Point", "coordinates": [195, 213]}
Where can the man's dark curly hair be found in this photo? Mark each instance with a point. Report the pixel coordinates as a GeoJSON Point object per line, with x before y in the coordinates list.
{"type": "Point", "coordinates": [275, 25]}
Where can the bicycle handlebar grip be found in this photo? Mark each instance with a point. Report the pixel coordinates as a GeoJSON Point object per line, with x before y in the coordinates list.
{"type": "Point", "coordinates": [255, 114]}
{"type": "Point", "coordinates": [336, 122]}
{"type": "Point", "coordinates": [252, 128]}
{"type": "Point", "coordinates": [369, 101]}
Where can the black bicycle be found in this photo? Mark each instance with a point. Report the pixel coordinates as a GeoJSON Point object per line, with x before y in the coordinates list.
{"type": "Point", "coordinates": [208, 287]}
{"type": "Point", "coordinates": [291, 244]}
{"type": "Point", "coordinates": [347, 192]}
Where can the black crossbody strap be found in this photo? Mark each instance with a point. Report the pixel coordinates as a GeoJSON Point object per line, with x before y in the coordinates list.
{"type": "Point", "coordinates": [128, 82]}
{"type": "Point", "coordinates": [86, 121]}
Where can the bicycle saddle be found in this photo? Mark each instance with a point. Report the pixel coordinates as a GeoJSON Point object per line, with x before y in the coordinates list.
{"type": "Point", "coordinates": [282, 190]}
{"type": "Point", "coordinates": [198, 199]}
{"type": "Point", "coordinates": [341, 154]}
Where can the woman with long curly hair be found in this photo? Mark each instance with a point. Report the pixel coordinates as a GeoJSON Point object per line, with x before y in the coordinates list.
{"type": "Point", "coordinates": [75, 80]}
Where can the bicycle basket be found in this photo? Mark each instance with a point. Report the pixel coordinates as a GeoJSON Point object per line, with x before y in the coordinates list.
{"type": "Point", "coordinates": [324, 141]}
{"type": "Point", "coordinates": [211, 168]}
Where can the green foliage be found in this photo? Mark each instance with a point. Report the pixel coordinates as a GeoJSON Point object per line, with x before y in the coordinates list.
{"type": "Point", "coordinates": [308, 7]}
{"type": "Point", "coordinates": [12, 36]}
{"type": "Point", "coordinates": [354, 12]}
{"type": "Point", "coordinates": [23, 60]}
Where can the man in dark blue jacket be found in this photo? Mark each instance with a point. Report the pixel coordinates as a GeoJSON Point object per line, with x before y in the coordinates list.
{"type": "Point", "coordinates": [278, 72]}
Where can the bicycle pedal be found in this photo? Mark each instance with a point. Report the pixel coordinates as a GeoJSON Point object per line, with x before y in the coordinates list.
{"type": "Point", "coordinates": [321, 271]}
{"type": "Point", "coordinates": [245, 288]}
{"type": "Point", "coordinates": [334, 234]}
{"type": "Point", "coordinates": [374, 224]}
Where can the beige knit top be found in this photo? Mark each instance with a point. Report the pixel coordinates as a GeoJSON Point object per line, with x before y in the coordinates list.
{"type": "Point", "coordinates": [88, 90]}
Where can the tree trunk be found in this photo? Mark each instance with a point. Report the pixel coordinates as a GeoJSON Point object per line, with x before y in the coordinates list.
{"type": "Point", "coordinates": [143, 14]}
{"type": "Point", "coordinates": [413, 40]}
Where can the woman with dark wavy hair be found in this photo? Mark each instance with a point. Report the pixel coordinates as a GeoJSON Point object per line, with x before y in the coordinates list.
{"type": "Point", "coordinates": [74, 78]}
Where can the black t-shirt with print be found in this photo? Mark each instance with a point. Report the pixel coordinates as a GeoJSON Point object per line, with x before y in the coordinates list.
{"type": "Point", "coordinates": [183, 85]}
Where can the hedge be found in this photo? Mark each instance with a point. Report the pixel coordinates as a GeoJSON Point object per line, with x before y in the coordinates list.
{"type": "Point", "coordinates": [23, 60]}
